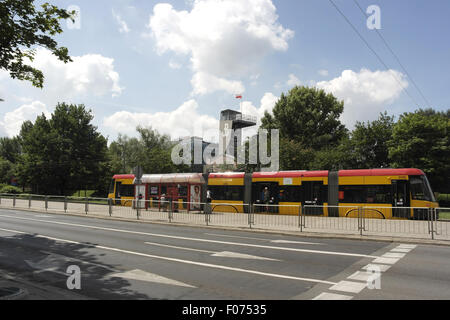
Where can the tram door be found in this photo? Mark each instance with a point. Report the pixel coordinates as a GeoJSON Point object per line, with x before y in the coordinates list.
{"type": "Point", "coordinates": [400, 199]}
{"type": "Point", "coordinates": [312, 197]}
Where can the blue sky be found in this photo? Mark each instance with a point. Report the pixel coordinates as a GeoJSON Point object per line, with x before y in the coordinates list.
{"type": "Point", "coordinates": [174, 67]}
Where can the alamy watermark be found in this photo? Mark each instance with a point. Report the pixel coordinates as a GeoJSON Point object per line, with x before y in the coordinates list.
{"type": "Point", "coordinates": [74, 279]}
{"type": "Point", "coordinates": [229, 150]}
{"type": "Point", "coordinates": [374, 19]}
{"type": "Point", "coordinates": [374, 279]}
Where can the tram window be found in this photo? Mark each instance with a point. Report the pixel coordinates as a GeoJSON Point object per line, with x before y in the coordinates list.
{"type": "Point", "coordinates": [231, 193]}
{"type": "Point", "coordinates": [365, 194]}
{"type": "Point", "coordinates": [379, 194]}
{"type": "Point", "coordinates": [353, 194]}
{"type": "Point", "coordinates": [420, 189]}
{"type": "Point", "coordinates": [289, 194]}
{"type": "Point", "coordinates": [126, 190]}
{"type": "Point", "coordinates": [324, 193]}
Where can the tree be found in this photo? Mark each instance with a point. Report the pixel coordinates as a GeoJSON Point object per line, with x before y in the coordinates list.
{"type": "Point", "coordinates": [23, 26]}
{"type": "Point", "coordinates": [7, 171]}
{"type": "Point", "coordinates": [63, 153]}
{"type": "Point", "coordinates": [422, 140]}
{"type": "Point", "coordinates": [309, 116]}
{"type": "Point", "coordinates": [308, 120]}
{"type": "Point", "coordinates": [370, 142]}
{"type": "Point", "coordinates": [10, 148]}
{"type": "Point", "coordinates": [151, 150]}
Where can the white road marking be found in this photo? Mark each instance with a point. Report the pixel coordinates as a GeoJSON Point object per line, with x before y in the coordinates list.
{"type": "Point", "coordinates": [225, 254]}
{"type": "Point", "coordinates": [401, 250]}
{"type": "Point", "coordinates": [208, 265]}
{"type": "Point", "coordinates": [238, 237]}
{"type": "Point", "coordinates": [295, 242]}
{"type": "Point", "coordinates": [383, 260]}
{"type": "Point", "coordinates": [332, 296]}
{"type": "Point", "coordinates": [148, 277]}
{"type": "Point", "coordinates": [407, 246]}
{"type": "Point", "coordinates": [361, 276]}
{"type": "Point", "coordinates": [40, 236]}
{"type": "Point", "coordinates": [382, 267]}
{"type": "Point", "coordinates": [393, 255]}
{"type": "Point", "coordinates": [201, 240]}
{"type": "Point", "coordinates": [228, 254]}
{"type": "Point", "coordinates": [349, 286]}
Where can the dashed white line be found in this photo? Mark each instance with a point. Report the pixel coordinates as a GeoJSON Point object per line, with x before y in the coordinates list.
{"type": "Point", "coordinates": [332, 296]}
{"type": "Point", "coordinates": [393, 255]}
{"type": "Point", "coordinates": [381, 267]}
{"type": "Point", "coordinates": [349, 286]}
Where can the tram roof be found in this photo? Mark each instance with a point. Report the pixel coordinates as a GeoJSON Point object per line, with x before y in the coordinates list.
{"type": "Point", "coordinates": [381, 172]}
{"type": "Point", "coordinates": [192, 178]}
{"type": "Point", "coordinates": [123, 176]}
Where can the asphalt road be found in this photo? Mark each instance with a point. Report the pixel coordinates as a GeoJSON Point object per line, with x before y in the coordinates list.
{"type": "Point", "coordinates": [135, 260]}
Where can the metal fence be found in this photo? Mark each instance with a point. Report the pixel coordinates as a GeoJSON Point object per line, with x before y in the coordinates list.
{"type": "Point", "coordinates": [354, 220]}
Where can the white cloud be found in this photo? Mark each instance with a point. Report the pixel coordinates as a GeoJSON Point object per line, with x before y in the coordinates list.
{"type": "Point", "coordinates": [365, 93]}
{"type": "Point", "coordinates": [293, 81]}
{"type": "Point", "coordinates": [224, 38]}
{"type": "Point", "coordinates": [123, 27]}
{"type": "Point", "coordinates": [204, 83]}
{"type": "Point", "coordinates": [12, 121]}
{"type": "Point", "coordinates": [90, 74]}
{"type": "Point", "coordinates": [182, 122]}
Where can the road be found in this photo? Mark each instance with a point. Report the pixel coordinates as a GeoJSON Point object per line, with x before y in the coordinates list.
{"type": "Point", "coordinates": [136, 260]}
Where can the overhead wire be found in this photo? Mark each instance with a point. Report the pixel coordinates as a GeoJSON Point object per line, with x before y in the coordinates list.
{"type": "Point", "coordinates": [396, 58]}
{"type": "Point", "coordinates": [374, 52]}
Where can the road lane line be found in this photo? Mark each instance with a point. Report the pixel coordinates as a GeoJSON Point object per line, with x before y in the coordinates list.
{"type": "Point", "coordinates": [176, 247]}
{"type": "Point", "coordinates": [332, 296]}
{"type": "Point", "coordinates": [260, 239]}
{"type": "Point", "coordinates": [224, 254]}
{"type": "Point", "coordinates": [202, 264]}
{"type": "Point", "coordinates": [200, 240]}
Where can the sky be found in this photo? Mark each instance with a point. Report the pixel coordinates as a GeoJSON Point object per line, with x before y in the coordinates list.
{"type": "Point", "coordinates": [175, 65]}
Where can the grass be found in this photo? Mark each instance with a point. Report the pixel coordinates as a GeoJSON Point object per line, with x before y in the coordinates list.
{"type": "Point", "coordinates": [83, 193]}
{"type": "Point", "coordinates": [444, 215]}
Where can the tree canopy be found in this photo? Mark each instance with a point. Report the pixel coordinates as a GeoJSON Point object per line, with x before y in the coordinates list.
{"type": "Point", "coordinates": [63, 153]}
{"type": "Point", "coordinates": [22, 28]}
{"type": "Point", "coordinates": [422, 140]}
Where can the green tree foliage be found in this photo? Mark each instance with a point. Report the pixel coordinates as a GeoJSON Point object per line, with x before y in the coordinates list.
{"type": "Point", "coordinates": [308, 120]}
{"type": "Point", "coordinates": [10, 148]}
{"type": "Point", "coordinates": [7, 171]}
{"type": "Point", "coordinates": [422, 140]}
{"type": "Point", "coordinates": [151, 150]}
{"type": "Point", "coordinates": [370, 142]}
{"type": "Point", "coordinates": [63, 153]}
{"type": "Point", "coordinates": [22, 28]}
{"type": "Point", "coordinates": [309, 116]}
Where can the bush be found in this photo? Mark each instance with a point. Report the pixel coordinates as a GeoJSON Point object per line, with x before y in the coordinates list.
{"type": "Point", "coordinates": [444, 200]}
{"type": "Point", "coordinates": [10, 189]}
